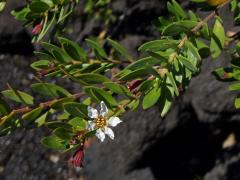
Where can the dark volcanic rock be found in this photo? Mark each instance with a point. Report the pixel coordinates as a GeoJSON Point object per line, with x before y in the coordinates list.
{"type": "Point", "coordinates": [227, 166]}
{"type": "Point", "coordinates": [14, 38]}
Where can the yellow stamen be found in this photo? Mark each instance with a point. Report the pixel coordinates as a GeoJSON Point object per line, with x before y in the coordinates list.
{"type": "Point", "coordinates": [100, 122]}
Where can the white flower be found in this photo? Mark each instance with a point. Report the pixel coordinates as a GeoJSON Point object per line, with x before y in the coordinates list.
{"type": "Point", "coordinates": [101, 123]}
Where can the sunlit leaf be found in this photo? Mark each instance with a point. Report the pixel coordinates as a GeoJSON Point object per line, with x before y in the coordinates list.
{"type": "Point", "coordinates": [78, 123]}
{"type": "Point", "coordinates": [152, 96]}
{"type": "Point", "coordinates": [76, 109]}
{"type": "Point", "coordinates": [73, 49]}
{"type": "Point", "coordinates": [54, 142]}
{"type": "Point", "coordinates": [97, 47]}
{"type": "Point", "coordinates": [48, 89]}
{"type": "Point", "coordinates": [24, 97]}
{"type": "Point", "coordinates": [32, 115]}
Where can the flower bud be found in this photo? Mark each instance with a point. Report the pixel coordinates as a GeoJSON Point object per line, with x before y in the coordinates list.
{"type": "Point", "coordinates": [134, 84]}
{"type": "Point", "coordinates": [37, 29]}
{"type": "Point", "coordinates": [77, 159]}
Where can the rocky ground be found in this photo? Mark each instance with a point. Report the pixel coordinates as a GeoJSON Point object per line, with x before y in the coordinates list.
{"type": "Point", "coordinates": [199, 138]}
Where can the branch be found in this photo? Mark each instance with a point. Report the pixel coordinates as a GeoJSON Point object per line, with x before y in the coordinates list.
{"type": "Point", "coordinates": [201, 23]}
{"type": "Point", "coordinates": [46, 104]}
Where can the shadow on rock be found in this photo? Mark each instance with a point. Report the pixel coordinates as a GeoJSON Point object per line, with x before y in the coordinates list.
{"type": "Point", "coordinates": [187, 152]}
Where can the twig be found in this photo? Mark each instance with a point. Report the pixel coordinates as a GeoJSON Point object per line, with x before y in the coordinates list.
{"type": "Point", "coordinates": [47, 104]}
{"type": "Point", "coordinates": [201, 24]}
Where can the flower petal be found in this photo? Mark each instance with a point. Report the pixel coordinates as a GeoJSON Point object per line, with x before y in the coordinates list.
{"type": "Point", "coordinates": [104, 109]}
{"type": "Point", "coordinates": [108, 131]}
{"type": "Point", "coordinates": [100, 135]}
{"type": "Point", "coordinates": [90, 125]}
{"type": "Point", "coordinates": [114, 121]}
{"type": "Point", "coordinates": [92, 112]}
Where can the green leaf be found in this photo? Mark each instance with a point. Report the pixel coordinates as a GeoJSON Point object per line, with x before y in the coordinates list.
{"type": "Point", "coordinates": [87, 68]}
{"type": "Point", "coordinates": [234, 87]}
{"type": "Point", "coordinates": [58, 1]}
{"type": "Point", "coordinates": [176, 9]}
{"type": "Point", "coordinates": [176, 28]}
{"type": "Point", "coordinates": [237, 103]}
{"type": "Point", "coordinates": [193, 50]}
{"type": "Point", "coordinates": [48, 89]}
{"type": "Point", "coordinates": [205, 31]}
{"type": "Point", "coordinates": [102, 96]}
{"type": "Point", "coordinates": [97, 47]}
{"type": "Point", "coordinates": [236, 72]}
{"type": "Point", "coordinates": [203, 49]}
{"type": "Point", "coordinates": [57, 52]}
{"type": "Point", "coordinates": [133, 104]}
{"type": "Point", "coordinates": [187, 64]}
{"type": "Point", "coordinates": [24, 97]}
{"type": "Point", "coordinates": [143, 72]}
{"type": "Point", "coordinates": [21, 14]}
{"type": "Point", "coordinates": [48, 2]}
{"type": "Point", "coordinates": [54, 142]}
{"type": "Point", "coordinates": [192, 15]}
{"type": "Point", "coordinates": [215, 48]}
{"type": "Point", "coordinates": [105, 96]}
{"type": "Point", "coordinates": [158, 56]}
{"type": "Point", "coordinates": [78, 123]}
{"type": "Point", "coordinates": [57, 124]}
{"type": "Point", "coordinates": [219, 32]}
{"type": "Point", "coordinates": [71, 148]}
{"type": "Point", "coordinates": [41, 55]}
{"type": "Point", "coordinates": [63, 133]}
{"type": "Point", "coordinates": [92, 96]}
{"type": "Point", "coordinates": [5, 131]}
{"type": "Point", "coordinates": [2, 6]}
{"type": "Point", "coordinates": [217, 39]}
{"type": "Point", "coordinates": [73, 49]}
{"type": "Point", "coordinates": [42, 119]}
{"type": "Point", "coordinates": [159, 45]}
{"type": "Point", "coordinates": [173, 83]}
{"type": "Point", "coordinates": [4, 108]}
{"type": "Point", "coordinates": [141, 63]}
{"type": "Point", "coordinates": [63, 15]}
{"type": "Point", "coordinates": [64, 116]}
{"type": "Point", "coordinates": [117, 88]}
{"type": "Point", "coordinates": [120, 49]}
{"type": "Point", "coordinates": [104, 67]}
{"type": "Point", "coordinates": [91, 78]}
{"type": "Point", "coordinates": [41, 64]}
{"type": "Point", "coordinates": [32, 115]}
{"type": "Point", "coordinates": [90, 134]}
{"type": "Point", "coordinates": [146, 85]}
{"type": "Point", "coordinates": [153, 71]}
{"type": "Point", "coordinates": [46, 27]}
{"type": "Point", "coordinates": [39, 7]}
{"type": "Point", "coordinates": [166, 99]}
{"type": "Point", "coordinates": [221, 74]}
{"type": "Point", "coordinates": [58, 104]}
{"type": "Point", "coordinates": [238, 48]}
{"type": "Point", "coordinates": [76, 109]}
{"type": "Point", "coordinates": [152, 96]}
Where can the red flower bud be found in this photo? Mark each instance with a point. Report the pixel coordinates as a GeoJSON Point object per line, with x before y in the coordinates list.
{"type": "Point", "coordinates": [77, 159]}
{"type": "Point", "coordinates": [225, 75]}
{"type": "Point", "coordinates": [37, 29]}
{"type": "Point", "coordinates": [134, 84]}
